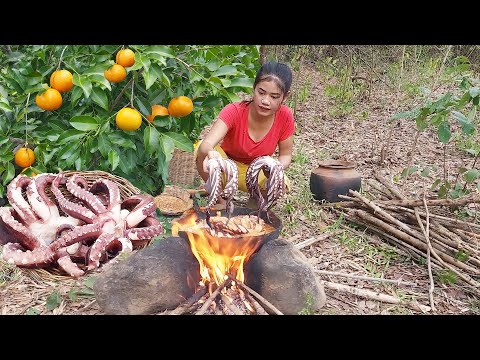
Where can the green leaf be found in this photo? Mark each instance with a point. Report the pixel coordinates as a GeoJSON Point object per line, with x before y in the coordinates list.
{"type": "Point", "coordinates": [160, 50]}
{"type": "Point", "coordinates": [162, 121]}
{"type": "Point", "coordinates": [71, 135]}
{"type": "Point", "coordinates": [150, 77]}
{"type": "Point", "coordinates": [89, 282]}
{"type": "Point", "coordinates": [53, 301]}
{"type": "Point", "coordinates": [167, 148]}
{"type": "Point", "coordinates": [4, 140]}
{"type": "Point", "coordinates": [421, 122]}
{"type": "Point", "coordinates": [68, 150]}
{"type": "Point", "coordinates": [100, 79]}
{"type": "Point", "coordinates": [474, 91]}
{"type": "Point", "coordinates": [121, 139]}
{"type": "Point", "coordinates": [467, 127]}
{"type": "Point", "coordinates": [437, 119]}
{"type": "Point", "coordinates": [180, 141]}
{"type": "Point", "coordinates": [151, 139]}
{"type": "Point", "coordinates": [8, 174]}
{"type": "Point", "coordinates": [143, 105]}
{"type": "Point", "coordinates": [127, 162]}
{"type": "Point", "coordinates": [103, 145]}
{"type": "Point", "coordinates": [32, 311]}
{"type": "Point", "coordinates": [463, 100]}
{"type": "Point", "coordinates": [234, 97]}
{"type": "Point", "coordinates": [14, 84]}
{"type": "Point", "coordinates": [410, 171]}
{"type": "Point", "coordinates": [242, 82]}
{"type": "Point", "coordinates": [406, 114]}
{"type": "Point", "coordinates": [425, 172]}
{"type": "Point", "coordinates": [113, 159]}
{"type": "Point", "coordinates": [84, 82]}
{"type": "Point", "coordinates": [162, 164]}
{"type": "Point", "coordinates": [100, 98]}
{"type": "Point", "coordinates": [47, 156]}
{"type": "Point", "coordinates": [444, 132]}
{"type": "Point", "coordinates": [76, 96]}
{"type": "Point", "coordinates": [226, 70]}
{"type": "Point", "coordinates": [84, 123]}
{"type": "Point", "coordinates": [165, 80]}
{"type": "Point", "coordinates": [471, 175]}
{"type": "Point", "coordinates": [435, 184]}
{"type": "Point", "coordinates": [210, 102]}
{"type": "Point", "coordinates": [4, 105]}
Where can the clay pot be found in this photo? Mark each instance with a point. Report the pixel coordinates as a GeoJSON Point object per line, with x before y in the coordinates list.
{"type": "Point", "coordinates": [332, 178]}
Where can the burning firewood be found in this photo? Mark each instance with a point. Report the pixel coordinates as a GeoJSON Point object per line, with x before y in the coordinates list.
{"type": "Point", "coordinates": [232, 297]}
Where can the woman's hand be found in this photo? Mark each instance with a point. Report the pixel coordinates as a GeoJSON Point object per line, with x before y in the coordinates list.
{"type": "Point", "coordinates": [212, 154]}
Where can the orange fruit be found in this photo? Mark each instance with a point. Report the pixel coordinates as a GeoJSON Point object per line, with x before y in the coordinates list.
{"type": "Point", "coordinates": [125, 57]}
{"type": "Point", "coordinates": [49, 100]}
{"type": "Point", "coordinates": [24, 157]}
{"type": "Point", "coordinates": [180, 106]}
{"type": "Point", "coordinates": [115, 73]}
{"type": "Point", "coordinates": [157, 110]}
{"type": "Point", "coordinates": [61, 80]}
{"type": "Point", "coordinates": [128, 119]}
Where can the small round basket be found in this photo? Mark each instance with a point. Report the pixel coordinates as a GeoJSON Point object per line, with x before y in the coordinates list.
{"type": "Point", "coordinates": [173, 201]}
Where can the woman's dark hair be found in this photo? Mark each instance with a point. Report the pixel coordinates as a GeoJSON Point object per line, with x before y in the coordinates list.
{"type": "Point", "coordinates": [278, 72]}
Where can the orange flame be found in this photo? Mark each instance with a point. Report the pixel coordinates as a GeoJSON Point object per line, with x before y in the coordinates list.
{"type": "Point", "coordinates": [217, 256]}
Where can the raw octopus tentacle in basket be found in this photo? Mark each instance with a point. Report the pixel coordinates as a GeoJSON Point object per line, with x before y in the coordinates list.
{"type": "Point", "coordinates": [75, 220]}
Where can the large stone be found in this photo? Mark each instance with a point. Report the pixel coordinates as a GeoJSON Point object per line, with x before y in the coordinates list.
{"type": "Point", "coordinates": [152, 280]}
{"type": "Point", "coordinates": [282, 275]}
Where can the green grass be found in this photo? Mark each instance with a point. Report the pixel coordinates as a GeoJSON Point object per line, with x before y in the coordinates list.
{"type": "Point", "coordinates": [8, 272]}
{"type": "Point", "coordinates": [376, 259]}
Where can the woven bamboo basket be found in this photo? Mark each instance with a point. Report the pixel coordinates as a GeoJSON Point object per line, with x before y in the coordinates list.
{"type": "Point", "coordinates": [182, 169]}
{"type": "Point", "coordinates": [126, 188]}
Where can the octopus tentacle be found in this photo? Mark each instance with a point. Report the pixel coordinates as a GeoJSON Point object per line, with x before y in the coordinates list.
{"type": "Point", "coordinates": [66, 264]}
{"type": "Point", "coordinates": [251, 179]}
{"type": "Point", "coordinates": [69, 207]}
{"type": "Point", "coordinates": [80, 233]}
{"type": "Point", "coordinates": [13, 253]}
{"type": "Point", "coordinates": [147, 229]}
{"type": "Point", "coordinates": [40, 203]}
{"type": "Point", "coordinates": [18, 202]}
{"type": "Point", "coordinates": [214, 182]}
{"type": "Point", "coordinates": [78, 186]}
{"type": "Point", "coordinates": [273, 170]}
{"type": "Point", "coordinates": [5, 234]}
{"type": "Point", "coordinates": [231, 184]}
{"type": "Point", "coordinates": [98, 248]}
{"type": "Point", "coordinates": [24, 235]}
{"type": "Point", "coordinates": [113, 194]}
{"type": "Point", "coordinates": [275, 185]}
{"type": "Point", "coordinates": [143, 206]}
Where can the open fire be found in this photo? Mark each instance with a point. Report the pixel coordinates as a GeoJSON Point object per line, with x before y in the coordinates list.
{"type": "Point", "coordinates": [222, 250]}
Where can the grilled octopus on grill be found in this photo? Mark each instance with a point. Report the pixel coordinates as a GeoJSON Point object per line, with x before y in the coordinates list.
{"type": "Point", "coordinates": [217, 167]}
{"type": "Point", "coordinates": [273, 170]}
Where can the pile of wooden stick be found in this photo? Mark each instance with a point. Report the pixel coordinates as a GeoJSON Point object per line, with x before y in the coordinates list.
{"type": "Point", "coordinates": [417, 227]}
{"type": "Point", "coordinates": [232, 297]}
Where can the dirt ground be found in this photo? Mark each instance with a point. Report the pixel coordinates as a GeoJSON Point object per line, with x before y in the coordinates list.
{"type": "Point", "coordinates": [355, 137]}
